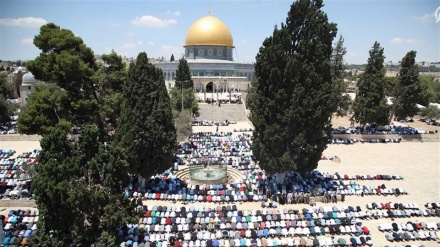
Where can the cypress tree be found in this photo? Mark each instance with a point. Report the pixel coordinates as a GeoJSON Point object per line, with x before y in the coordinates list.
{"type": "Point", "coordinates": [291, 99]}
{"type": "Point", "coordinates": [409, 90]}
{"type": "Point", "coordinates": [145, 127]}
{"type": "Point", "coordinates": [183, 75]}
{"type": "Point", "coordinates": [184, 86]}
{"type": "Point", "coordinates": [370, 105]}
{"type": "Point", "coordinates": [343, 100]}
{"type": "Point", "coordinates": [79, 190]}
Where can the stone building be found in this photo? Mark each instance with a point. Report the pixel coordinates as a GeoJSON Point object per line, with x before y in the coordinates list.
{"type": "Point", "coordinates": [209, 49]}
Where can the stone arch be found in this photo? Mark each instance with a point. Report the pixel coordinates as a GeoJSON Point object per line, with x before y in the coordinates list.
{"type": "Point", "coordinates": [211, 87]}
{"type": "Point", "coordinates": [199, 86]}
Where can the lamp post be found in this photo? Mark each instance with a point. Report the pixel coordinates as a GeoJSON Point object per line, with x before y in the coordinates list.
{"type": "Point", "coordinates": [181, 89]}
{"type": "Point", "coordinates": [181, 85]}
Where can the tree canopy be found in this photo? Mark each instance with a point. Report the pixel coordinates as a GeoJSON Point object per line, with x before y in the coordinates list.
{"type": "Point", "coordinates": [370, 104]}
{"type": "Point", "coordinates": [433, 89]}
{"type": "Point", "coordinates": [343, 100]}
{"type": "Point", "coordinates": [183, 87]}
{"type": "Point", "coordinates": [145, 127]}
{"type": "Point", "coordinates": [409, 90]}
{"type": "Point", "coordinates": [85, 92]}
{"type": "Point", "coordinates": [79, 190]}
{"type": "Point", "coordinates": [45, 110]}
{"type": "Point", "coordinates": [5, 109]}
{"type": "Point", "coordinates": [110, 77]}
{"type": "Point", "coordinates": [68, 63]}
{"type": "Point", "coordinates": [431, 111]}
{"type": "Point", "coordinates": [183, 75]}
{"type": "Point", "coordinates": [291, 98]}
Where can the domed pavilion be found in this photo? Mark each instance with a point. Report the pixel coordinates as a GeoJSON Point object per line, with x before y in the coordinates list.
{"type": "Point", "coordinates": [28, 86]}
{"type": "Point", "coordinates": [209, 48]}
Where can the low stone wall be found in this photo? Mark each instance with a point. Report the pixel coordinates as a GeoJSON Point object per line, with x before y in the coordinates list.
{"type": "Point", "coordinates": [18, 203]}
{"type": "Point", "coordinates": [18, 137]}
{"type": "Point", "coordinates": [421, 138]}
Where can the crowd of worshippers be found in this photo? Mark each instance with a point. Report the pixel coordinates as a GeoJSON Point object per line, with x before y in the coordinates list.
{"type": "Point", "coordinates": [223, 148]}
{"type": "Point", "coordinates": [256, 185]}
{"type": "Point", "coordinates": [18, 227]}
{"type": "Point", "coordinates": [229, 226]}
{"type": "Point", "coordinates": [220, 148]}
{"type": "Point", "coordinates": [16, 173]}
{"type": "Point", "coordinates": [418, 230]}
{"type": "Point", "coordinates": [348, 141]}
{"type": "Point", "coordinates": [211, 123]}
{"type": "Point", "coordinates": [374, 129]}
{"type": "Point", "coordinates": [400, 210]}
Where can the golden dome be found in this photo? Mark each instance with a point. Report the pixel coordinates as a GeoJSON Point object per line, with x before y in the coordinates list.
{"type": "Point", "coordinates": [209, 30]}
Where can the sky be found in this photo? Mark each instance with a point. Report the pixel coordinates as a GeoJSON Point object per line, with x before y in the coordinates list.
{"type": "Point", "coordinates": [159, 27]}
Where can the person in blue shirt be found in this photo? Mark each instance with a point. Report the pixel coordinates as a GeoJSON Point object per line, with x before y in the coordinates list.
{"type": "Point", "coordinates": [265, 232]}
{"type": "Point", "coordinates": [242, 242]}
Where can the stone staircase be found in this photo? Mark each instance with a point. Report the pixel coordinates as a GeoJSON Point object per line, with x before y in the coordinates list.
{"type": "Point", "coordinates": [231, 112]}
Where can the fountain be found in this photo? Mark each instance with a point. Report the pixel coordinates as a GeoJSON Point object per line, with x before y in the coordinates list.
{"type": "Point", "coordinates": [201, 174]}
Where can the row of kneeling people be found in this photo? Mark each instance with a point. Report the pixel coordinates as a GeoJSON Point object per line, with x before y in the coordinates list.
{"type": "Point", "coordinates": [414, 235]}
{"type": "Point", "coordinates": [265, 233]}
{"type": "Point", "coordinates": [337, 176]}
{"type": "Point", "coordinates": [401, 213]}
{"type": "Point", "coordinates": [259, 231]}
{"type": "Point", "coordinates": [231, 217]}
{"type": "Point", "coordinates": [236, 215]}
{"type": "Point", "coordinates": [409, 226]}
{"type": "Point", "coordinates": [249, 242]}
{"type": "Point", "coordinates": [390, 205]}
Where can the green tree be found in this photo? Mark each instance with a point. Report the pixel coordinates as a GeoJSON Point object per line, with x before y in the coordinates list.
{"type": "Point", "coordinates": [291, 98]}
{"type": "Point", "coordinates": [79, 189]}
{"type": "Point", "coordinates": [172, 58]}
{"type": "Point", "coordinates": [5, 107]}
{"type": "Point", "coordinates": [67, 62]}
{"type": "Point", "coordinates": [5, 111]}
{"type": "Point", "coordinates": [433, 89]}
{"type": "Point", "coordinates": [390, 84]}
{"type": "Point", "coordinates": [111, 77]}
{"type": "Point", "coordinates": [431, 111]}
{"type": "Point", "coordinates": [145, 127]}
{"type": "Point", "coordinates": [183, 75]}
{"type": "Point", "coordinates": [409, 90]}
{"type": "Point", "coordinates": [370, 104]}
{"type": "Point", "coordinates": [45, 110]}
{"type": "Point", "coordinates": [183, 108]}
{"type": "Point", "coordinates": [343, 100]}
{"type": "Point", "coordinates": [188, 99]}
{"type": "Point", "coordinates": [182, 121]}
{"type": "Point", "coordinates": [5, 89]}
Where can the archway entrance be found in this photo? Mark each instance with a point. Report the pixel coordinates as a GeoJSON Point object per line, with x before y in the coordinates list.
{"type": "Point", "coordinates": [199, 87]}
{"type": "Point", "coordinates": [210, 87]}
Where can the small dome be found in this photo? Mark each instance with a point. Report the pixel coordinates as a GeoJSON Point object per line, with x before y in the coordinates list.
{"type": "Point", "coordinates": [29, 78]}
{"type": "Point", "coordinates": [22, 69]}
{"type": "Point", "coordinates": [209, 30]}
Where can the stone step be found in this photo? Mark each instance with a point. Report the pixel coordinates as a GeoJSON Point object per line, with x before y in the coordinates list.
{"type": "Point", "coordinates": [231, 112]}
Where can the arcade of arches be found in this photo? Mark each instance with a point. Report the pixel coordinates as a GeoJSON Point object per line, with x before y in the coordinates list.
{"type": "Point", "coordinates": [203, 84]}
